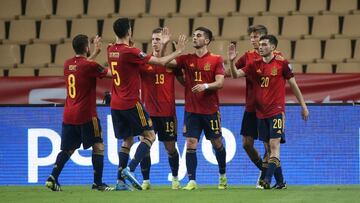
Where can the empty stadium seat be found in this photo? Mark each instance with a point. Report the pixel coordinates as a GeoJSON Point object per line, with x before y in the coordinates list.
{"type": "Point", "coordinates": [108, 34]}
{"type": "Point", "coordinates": [244, 46]}
{"type": "Point", "coordinates": [177, 26]}
{"type": "Point", "coordinates": [2, 72]}
{"type": "Point", "coordinates": [235, 27]}
{"type": "Point", "coordinates": [21, 72]}
{"type": "Point", "coordinates": [87, 26]}
{"type": "Point", "coordinates": [271, 23]}
{"type": "Point", "coordinates": [348, 68]}
{"type": "Point", "coordinates": [53, 30]}
{"type": "Point", "coordinates": [53, 71]}
{"type": "Point", "coordinates": [38, 8]}
{"type": "Point", "coordinates": [281, 7]}
{"type": "Point", "coordinates": [22, 31]}
{"type": "Point", "coordinates": [319, 68]}
{"type": "Point", "coordinates": [337, 50]}
{"type": "Point", "coordinates": [2, 30]}
{"type": "Point", "coordinates": [311, 7]}
{"type": "Point", "coordinates": [325, 26]}
{"type": "Point", "coordinates": [101, 8]}
{"type": "Point", "coordinates": [284, 46]}
{"type": "Point", "coordinates": [219, 47]}
{"type": "Point", "coordinates": [63, 52]}
{"type": "Point", "coordinates": [143, 28]}
{"type": "Point", "coordinates": [343, 6]}
{"type": "Point", "coordinates": [132, 8]}
{"type": "Point", "coordinates": [252, 7]}
{"type": "Point", "coordinates": [356, 52]}
{"type": "Point", "coordinates": [295, 27]}
{"type": "Point", "coordinates": [219, 8]}
{"type": "Point", "coordinates": [69, 8]}
{"type": "Point", "coordinates": [307, 50]}
{"type": "Point", "coordinates": [162, 8]}
{"type": "Point", "coordinates": [211, 23]}
{"type": "Point", "coordinates": [351, 26]}
{"type": "Point", "coordinates": [9, 55]}
{"type": "Point", "coordinates": [10, 9]}
{"type": "Point", "coordinates": [192, 8]}
{"type": "Point", "coordinates": [36, 55]}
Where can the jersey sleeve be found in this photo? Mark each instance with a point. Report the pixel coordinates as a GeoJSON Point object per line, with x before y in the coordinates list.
{"type": "Point", "coordinates": [287, 70]}
{"type": "Point", "coordinates": [219, 69]}
{"type": "Point", "coordinates": [136, 56]}
{"type": "Point", "coordinates": [97, 70]}
{"type": "Point", "coordinates": [241, 62]}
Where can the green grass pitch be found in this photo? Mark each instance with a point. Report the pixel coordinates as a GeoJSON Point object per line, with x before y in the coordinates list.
{"type": "Point", "coordinates": [205, 194]}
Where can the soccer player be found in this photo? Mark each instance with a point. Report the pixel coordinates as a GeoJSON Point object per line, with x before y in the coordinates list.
{"type": "Point", "coordinates": [158, 96]}
{"type": "Point", "coordinates": [204, 76]}
{"type": "Point", "coordinates": [269, 75]}
{"type": "Point", "coordinates": [81, 124]}
{"type": "Point", "coordinates": [249, 122]}
{"type": "Point", "coordinates": [128, 115]}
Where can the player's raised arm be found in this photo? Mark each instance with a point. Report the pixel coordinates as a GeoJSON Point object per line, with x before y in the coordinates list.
{"type": "Point", "coordinates": [180, 47]}
{"type": "Point", "coordinates": [165, 39]}
{"type": "Point", "coordinates": [97, 48]}
{"type": "Point", "coordinates": [232, 54]}
{"type": "Point", "coordinates": [295, 89]}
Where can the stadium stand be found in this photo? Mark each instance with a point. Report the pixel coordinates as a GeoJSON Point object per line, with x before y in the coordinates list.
{"type": "Point", "coordinates": [69, 9]}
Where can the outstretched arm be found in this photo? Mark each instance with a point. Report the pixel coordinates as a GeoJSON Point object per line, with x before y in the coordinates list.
{"type": "Point", "coordinates": [180, 46]}
{"type": "Point", "coordinates": [295, 89]}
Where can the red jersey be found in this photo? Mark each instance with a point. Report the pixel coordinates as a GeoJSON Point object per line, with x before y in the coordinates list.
{"type": "Point", "coordinates": [245, 59]}
{"type": "Point", "coordinates": [269, 84]}
{"type": "Point", "coordinates": [199, 70]}
{"type": "Point", "coordinates": [80, 78]}
{"type": "Point", "coordinates": [125, 63]}
{"type": "Point", "coordinates": [157, 90]}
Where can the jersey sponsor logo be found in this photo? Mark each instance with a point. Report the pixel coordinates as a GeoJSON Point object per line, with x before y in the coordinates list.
{"type": "Point", "coordinates": [114, 55]}
{"type": "Point", "coordinates": [274, 71]}
{"type": "Point", "coordinates": [207, 66]}
{"type": "Point", "coordinates": [169, 70]}
{"type": "Point", "coordinates": [142, 55]}
{"type": "Point", "coordinates": [192, 65]}
{"type": "Point", "coordinates": [150, 68]}
{"type": "Point", "coordinates": [258, 71]}
{"type": "Point", "coordinates": [279, 132]}
{"type": "Point", "coordinates": [72, 67]}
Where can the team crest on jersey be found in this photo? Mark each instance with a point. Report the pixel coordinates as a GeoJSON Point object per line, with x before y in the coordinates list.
{"type": "Point", "coordinates": [72, 67]}
{"type": "Point", "coordinates": [274, 71]}
{"type": "Point", "coordinates": [192, 65]}
{"type": "Point", "coordinates": [142, 55]}
{"type": "Point", "coordinates": [114, 55]}
{"type": "Point", "coordinates": [207, 67]}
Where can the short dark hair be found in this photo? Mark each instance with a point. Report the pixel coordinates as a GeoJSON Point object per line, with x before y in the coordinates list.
{"type": "Point", "coordinates": [272, 39]}
{"type": "Point", "coordinates": [157, 30]}
{"type": "Point", "coordinates": [79, 43]}
{"type": "Point", "coordinates": [261, 29]}
{"type": "Point", "coordinates": [207, 33]}
{"type": "Point", "coordinates": [121, 27]}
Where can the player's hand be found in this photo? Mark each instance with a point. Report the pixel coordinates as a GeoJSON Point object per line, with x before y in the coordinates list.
{"type": "Point", "coordinates": [232, 53]}
{"type": "Point", "coordinates": [181, 43]}
{"type": "Point", "coordinates": [305, 114]}
{"type": "Point", "coordinates": [165, 36]}
{"type": "Point", "coordinates": [97, 43]}
{"type": "Point", "coordinates": [198, 88]}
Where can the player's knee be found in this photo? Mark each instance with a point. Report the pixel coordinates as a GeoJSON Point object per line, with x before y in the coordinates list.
{"type": "Point", "coordinates": [191, 143]}
{"type": "Point", "coordinates": [217, 143]}
{"type": "Point", "coordinates": [128, 142]}
{"type": "Point", "coordinates": [150, 135]}
{"type": "Point", "coordinates": [98, 148]}
{"type": "Point", "coordinates": [170, 147]}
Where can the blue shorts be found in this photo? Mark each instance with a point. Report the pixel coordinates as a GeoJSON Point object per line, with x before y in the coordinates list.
{"type": "Point", "coordinates": [88, 134]}
{"type": "Point", "coordinates": [130, 122]}
{"type": "Point", "coordinates": [165, 127]}
{"type": "Point", "coordinates": [249, 125]}
{"type": "Point", "coordinates": [195, 123]}
{"type": "Point", "coordinates": [271, 128]}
